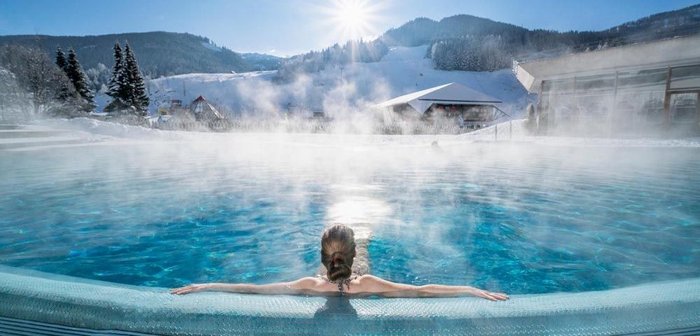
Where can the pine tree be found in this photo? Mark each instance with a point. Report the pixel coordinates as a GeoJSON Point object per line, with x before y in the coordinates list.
{"type": "Point", "coordinates": [65, 91]}
{"type": "Point", "coordinates": [61, 59]}
{"type": "Point", "coordinates": [77, 77]}
{"type": "Point", "coordinates": [118, 86]}
{"type": "Point", "coordinates": [137, 91]}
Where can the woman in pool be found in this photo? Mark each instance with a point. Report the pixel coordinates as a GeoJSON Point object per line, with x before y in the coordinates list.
{"type": "Point", "coordinates": [337, 254]}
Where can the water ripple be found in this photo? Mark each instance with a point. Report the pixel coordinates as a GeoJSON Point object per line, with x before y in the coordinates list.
{"type": "Point", "coordinates": [520, 218]}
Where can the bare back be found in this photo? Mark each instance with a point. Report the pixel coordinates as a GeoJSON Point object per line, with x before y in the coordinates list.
{"type": "Point", "coordinates": [367, 285]}
{"type": "Point", "coordinates": [364, 285]}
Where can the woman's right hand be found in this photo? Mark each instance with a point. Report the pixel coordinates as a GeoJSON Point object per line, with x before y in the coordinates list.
{"type": "Point", "coordinates": [190, 289]}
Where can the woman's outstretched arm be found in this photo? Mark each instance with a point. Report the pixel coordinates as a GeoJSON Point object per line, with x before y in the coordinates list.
{"type": "Point", "coordinates": [379, 286]}
{"type": "Point", "coordinates": [301, 286]}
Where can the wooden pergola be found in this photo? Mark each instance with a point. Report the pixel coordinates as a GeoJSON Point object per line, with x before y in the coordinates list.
{"type": "Point", "coordinates": [660, 70]}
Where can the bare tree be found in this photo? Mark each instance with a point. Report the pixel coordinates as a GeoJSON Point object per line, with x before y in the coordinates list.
{"type": "Point", "coordinates": [48, 87]}
{"type": "Point", "coordinates": [15, 103]}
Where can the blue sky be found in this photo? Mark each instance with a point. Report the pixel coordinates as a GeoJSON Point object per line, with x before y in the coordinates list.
{"type": "Point", "coordinates": [287, 27]}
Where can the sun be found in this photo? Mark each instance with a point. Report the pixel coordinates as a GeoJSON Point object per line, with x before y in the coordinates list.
{"type": "Point", "coordinates": [353, 19]}
{"type": "Point", "coordinates": [352, 14]}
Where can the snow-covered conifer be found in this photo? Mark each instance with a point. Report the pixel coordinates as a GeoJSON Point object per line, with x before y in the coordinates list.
{"type": "Point", "coordinates": [61, 59]}
{"type": "Point", "coordinates": [77, 77]}
{"type": "Point", "coordinates": [118, 85]}
{"type": "Point", "coordinates": [137, 90]}
{"type": "Point", "coordinates": [65, 92]}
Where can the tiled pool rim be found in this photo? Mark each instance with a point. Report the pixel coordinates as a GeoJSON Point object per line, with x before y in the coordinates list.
{"type": "Point", "coordinates": [66, 305]}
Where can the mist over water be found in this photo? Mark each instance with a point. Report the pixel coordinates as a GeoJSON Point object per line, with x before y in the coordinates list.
{"type": "Point", "coordinates": [346, 95]}
{"type": "Point", "coordinates": [518, 217]}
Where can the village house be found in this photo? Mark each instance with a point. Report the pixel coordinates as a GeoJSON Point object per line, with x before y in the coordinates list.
{"type": "Point", "coordinates": [198, 115]}
{"type": "Point", "coordinates": [467, 107]}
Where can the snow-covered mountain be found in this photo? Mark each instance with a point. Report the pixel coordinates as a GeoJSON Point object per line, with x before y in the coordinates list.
{"type": "Point", "coordinates": [158, 53]}
{"type": "Point", "coordinates": [259, 62]}
{"type": "Point", "coordinates": [336, 91]}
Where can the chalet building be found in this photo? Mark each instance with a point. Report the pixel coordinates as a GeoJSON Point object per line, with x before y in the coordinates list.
{"type": "Point", "coordinates": [199, 114]}
{"type": "Point", "coordinates": [469, 108]}
{"type": "Point", "coordinates": [204, 111]}
{"type": "Point", "coordinates": [643, 88]}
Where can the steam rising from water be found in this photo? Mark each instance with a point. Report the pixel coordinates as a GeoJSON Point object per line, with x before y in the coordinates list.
{"type": "Point", "coordinates": [346, 94]}
{"type": "Point", "coordinates": [519, 217]}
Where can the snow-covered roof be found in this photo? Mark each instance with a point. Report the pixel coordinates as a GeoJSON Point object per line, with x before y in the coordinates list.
{"type": "Point", "coordinates": [658, 54]}
{"type": "Point", "coordinates": [202, 109]}
{"type": "Point", "coordinates": [452, 93]}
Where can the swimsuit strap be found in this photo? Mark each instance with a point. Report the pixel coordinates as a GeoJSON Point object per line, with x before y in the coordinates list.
{"type": "Point", "coordinates": [340, 283]}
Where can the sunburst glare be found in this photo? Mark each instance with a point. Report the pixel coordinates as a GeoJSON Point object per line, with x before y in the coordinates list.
{"type": "Point", "coordinates": [353, 19]}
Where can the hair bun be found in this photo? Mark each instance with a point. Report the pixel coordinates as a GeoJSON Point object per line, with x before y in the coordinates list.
{"type": "Point", "coordinates": [339, 272]}
{"type": "Point", "coordinates": [338, 251]}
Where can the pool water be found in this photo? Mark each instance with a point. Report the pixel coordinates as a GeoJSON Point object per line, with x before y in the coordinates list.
{"type": "Point", "coordinates": [517, 217]}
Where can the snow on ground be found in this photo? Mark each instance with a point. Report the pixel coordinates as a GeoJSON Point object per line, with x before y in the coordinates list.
{"type": "Point", "coordinates": [407, 70]}
{"type": "Point", "coordinates": [340, 92]}
{"type": "Point", "coordinates": [221, 89]}
{"type": "Point", "coordinates": [97, 130]}
{"type": "Point", "coordinates": [516, 132]}
{"type": "Point", "coordinates": [337, 91]}
{"type": "Point", "coordinates": [52, 133]}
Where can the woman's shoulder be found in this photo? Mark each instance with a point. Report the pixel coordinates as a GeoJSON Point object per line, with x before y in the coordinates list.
{"type": "Point", "coordinates": [369, 278]}
{"type": "Point", "coordinates": [371, 285]}
{"type": "Point", "coordinates": [311, 281]}
{"type": "Point", "coordinates": [368, 281]}
{"type": "Point", "coordinates": [311, 285]}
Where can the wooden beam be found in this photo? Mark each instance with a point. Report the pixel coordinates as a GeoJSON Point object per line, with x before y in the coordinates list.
{"type": "Point", "coordinates": [612, 114]}
{"type": "Point", "coordinates": [667, 100]}
{"type": "Point", "coordinates": [540, 127]}
{"type": "Point", "coordinates": [697, 114]}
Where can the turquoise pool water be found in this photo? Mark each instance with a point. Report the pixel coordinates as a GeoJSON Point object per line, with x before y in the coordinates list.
{"type": "Point", "coordinates": [521, 218]}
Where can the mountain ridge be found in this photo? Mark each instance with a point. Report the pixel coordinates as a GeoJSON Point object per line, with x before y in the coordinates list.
{"type": "Point", "coordinates": [159, 53]}
{"type": "Point", "coordinates": [470, 43]}
{"type": "Point", "coordinates": [457, 42]}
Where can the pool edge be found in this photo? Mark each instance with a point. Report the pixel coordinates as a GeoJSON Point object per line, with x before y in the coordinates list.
{"type": "Point", "coordinates": [74, 302]}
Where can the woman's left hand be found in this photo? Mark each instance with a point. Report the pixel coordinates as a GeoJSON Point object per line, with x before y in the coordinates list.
{"type": "Point", "coordinates": [189, 289]}
{"type": "Point", "coordinates": [489, 295]}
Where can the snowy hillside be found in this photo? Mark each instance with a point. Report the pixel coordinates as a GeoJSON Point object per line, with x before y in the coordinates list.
{"type": "Point", "coordinates": [338, 91]}
{"type": "Point", "coordinates": [55, 133]}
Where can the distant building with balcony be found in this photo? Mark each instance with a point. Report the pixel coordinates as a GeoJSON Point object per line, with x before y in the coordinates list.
{"type": "Point", "coordinates": [645, 88]}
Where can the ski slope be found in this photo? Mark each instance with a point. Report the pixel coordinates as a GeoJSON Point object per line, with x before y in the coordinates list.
{"type": "Point", "coordinates": [336, 91]}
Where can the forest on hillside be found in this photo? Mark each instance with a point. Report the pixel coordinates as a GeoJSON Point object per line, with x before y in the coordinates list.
{"type": "Point", "coordinates": [470, 43]}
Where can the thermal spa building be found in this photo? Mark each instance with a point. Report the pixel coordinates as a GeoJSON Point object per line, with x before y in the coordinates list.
{"type": "Point", "coordinates": [471, 108]}
{"type": "Point", "coordinates": [642, 88]}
